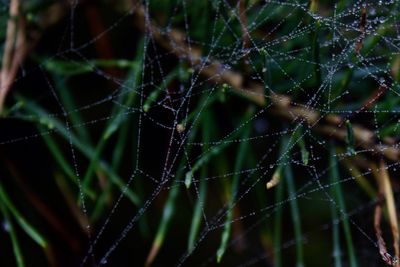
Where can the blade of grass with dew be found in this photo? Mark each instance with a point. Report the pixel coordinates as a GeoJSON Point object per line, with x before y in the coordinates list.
{"type": "Point", "coordinates": [295, 213]}
{"type": "Point", "coordinates": [260, 196]}
{"type": "Point", "coordinates": [241, 155]}
{"type": "Point", "coordinates": [62, 162]}
{"type": "Point", "coordinates": [341, 5]}
{"type": "Point", "coordinates": [350, 138]}
{"type": "Point", "coordinates": [117, 114]}
{"type": "Point", "coordinates": [140, 183]}
{"type": "Point", "coordinates": [299, 135]}
{"type": "Point", "coordinates": [170, 203]}
{"type": "Point", "coordinates": [266, 70]}
{"type": "Point", "coordinates": [357, 175]}
{"type": "Point", "coordinates": [266, 235]}
{"type": "Point", "coordinates": [70, 200]}
{"type": "Point", "coordinates": [175, 73]}
{"type": "Point", "coordinates": [285, 144]}
{"type": "Point", "coordinates": [99, 207]}
{"type": "Point", "coordinates": [143, 223]}
{"type": "Point", "coordinates": [13, 236]}
{"type": "Point", "coordinates": [42, 116]}
{"type": "Point", "coordinates": [117, 155]}
{"type": "Point", "coordinates": [120, 147]}
{"type": "Point", "coordinates": [69, 105]}
{"type": "Point", "coordinates": [207, 124]}
{"type": "Point", "coordinates": [168, 211]}
{"type": "Point", "coordinates": [23, 223]}
{"type": "Point", "coordinates": [193, 115]}
{"type": "Point", "coordinates": [386, 186]}
{"type": "Point", "coordinates": [295, 139]}
{"type": "Point", "coordinates": [339, 199]}
{"type": "Point", "coordinates": [199, 14]}
{"type": "Point", "coordinates": [336, 251]}
{"type": "Point", "coordinates": [315, 44]}
{"type": "Point", "coordinates": [206, 157]}
{"type": "Point", "coordinates": [169, 207]}
{"type": "Point", "coordinates": [70, 68]}
{"type": "Point", "coordinates": [153, 96]}
{"type": "Point", "coordinates": [277, 236]}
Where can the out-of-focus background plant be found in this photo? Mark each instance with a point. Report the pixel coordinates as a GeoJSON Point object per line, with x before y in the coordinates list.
{"type": "Point", "coordinates": [199, 133]}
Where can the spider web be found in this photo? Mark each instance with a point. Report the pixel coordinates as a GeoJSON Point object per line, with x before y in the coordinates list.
{"type": "Point", "coordinates": [218, 110]}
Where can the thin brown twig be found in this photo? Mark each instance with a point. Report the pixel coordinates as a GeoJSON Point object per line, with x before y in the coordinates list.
{"type": "Point", "coordinates": [103, 45]}
{"type": "Point", "coordinates": [363, 22]}
{"type": "Point", "coordinates": [386, 257]}
{"type": "Point", "coordinates": [43, 209]}
{"type": "Point", "coordinates": [386, 193]}
{"type": "Point", "coordinates": [80, 217]}
{"type": "Point", "coordinates": [17, 47]}
{"type": "Point", "coordinates": [7, 61]}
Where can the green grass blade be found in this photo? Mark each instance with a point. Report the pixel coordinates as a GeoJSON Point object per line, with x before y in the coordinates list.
{"type": "Point", "coordinates": [315, 46]}
{"type": "Point", "coordinates": [350, 138]}
{"type": "Point", "coordinates": [69, 105]}
{"type": "Point", "coordinates": [118, 117]}
{"type": "Point", "coordinates": [285, 144]}
{"type": "Point", "coordinates": [207, 124]}
{"type": "Point", "coordinates": [86, 149]}
{"type": "Point", "coordinates": [62, 162]}
{"type": "Point", "coordinates": [295, 215]}
{"type": "Point", "coordinates": [168, 211]}
{"type": "Point", "coordinates": [196, 220]}
{"type": "Point", "coordinates": [13, 235]}
{"type": "Point", "coordinates": [277, 235]}
{"type": "Point", "coordinates": [299, 135]}
{"type": "Point", "coordinates": [241, 156]}
{"type": "Point", "coordinates": [169, 207]}
{"type": "Point", "coordinates": [159, 89]}
{"type": "Point", "coordinates": [27, 227]}
{"type": "Point", "coordinates": [118, 152]}
{"type": "Point", "coordinates": [338, 196]}
{"type": "Point", "coordinates": [336, 251]}
{"type": "Point", "coordinates": [214, 151]}
{"type": "Point", "coordinates": [71, 68]}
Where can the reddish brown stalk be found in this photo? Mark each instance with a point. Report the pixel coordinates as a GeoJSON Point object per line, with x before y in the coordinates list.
{"type": "Point", "coordinates": [51, 256]}
{"type": "Point", "coordinates": [9, 50]}
{"type": "Point", "coordinates": [395, 70]}
{"type": "Point", "coordinates": [386, 257]}
{"type": "Point", "coordinates": [102, 45]}
{"type": "Point", "coordinates": [267, 244]}
{"type": "Point", "coordinates": [386, 193]}
{"type": "Point", "coordinates": [373, 98]}
{"type": "Point", "coordinates": [71, 202]}
{"type": "Point", "coordinates": [16, 46]}
{"type": "Point", "coordinates": [238, 232]}
{"type": "Point", "coordinates": [105, 186]}
{"type": "Point", "coordinates": [363, 22]}
{"type": "Point", "coordinates": [44, 210]}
